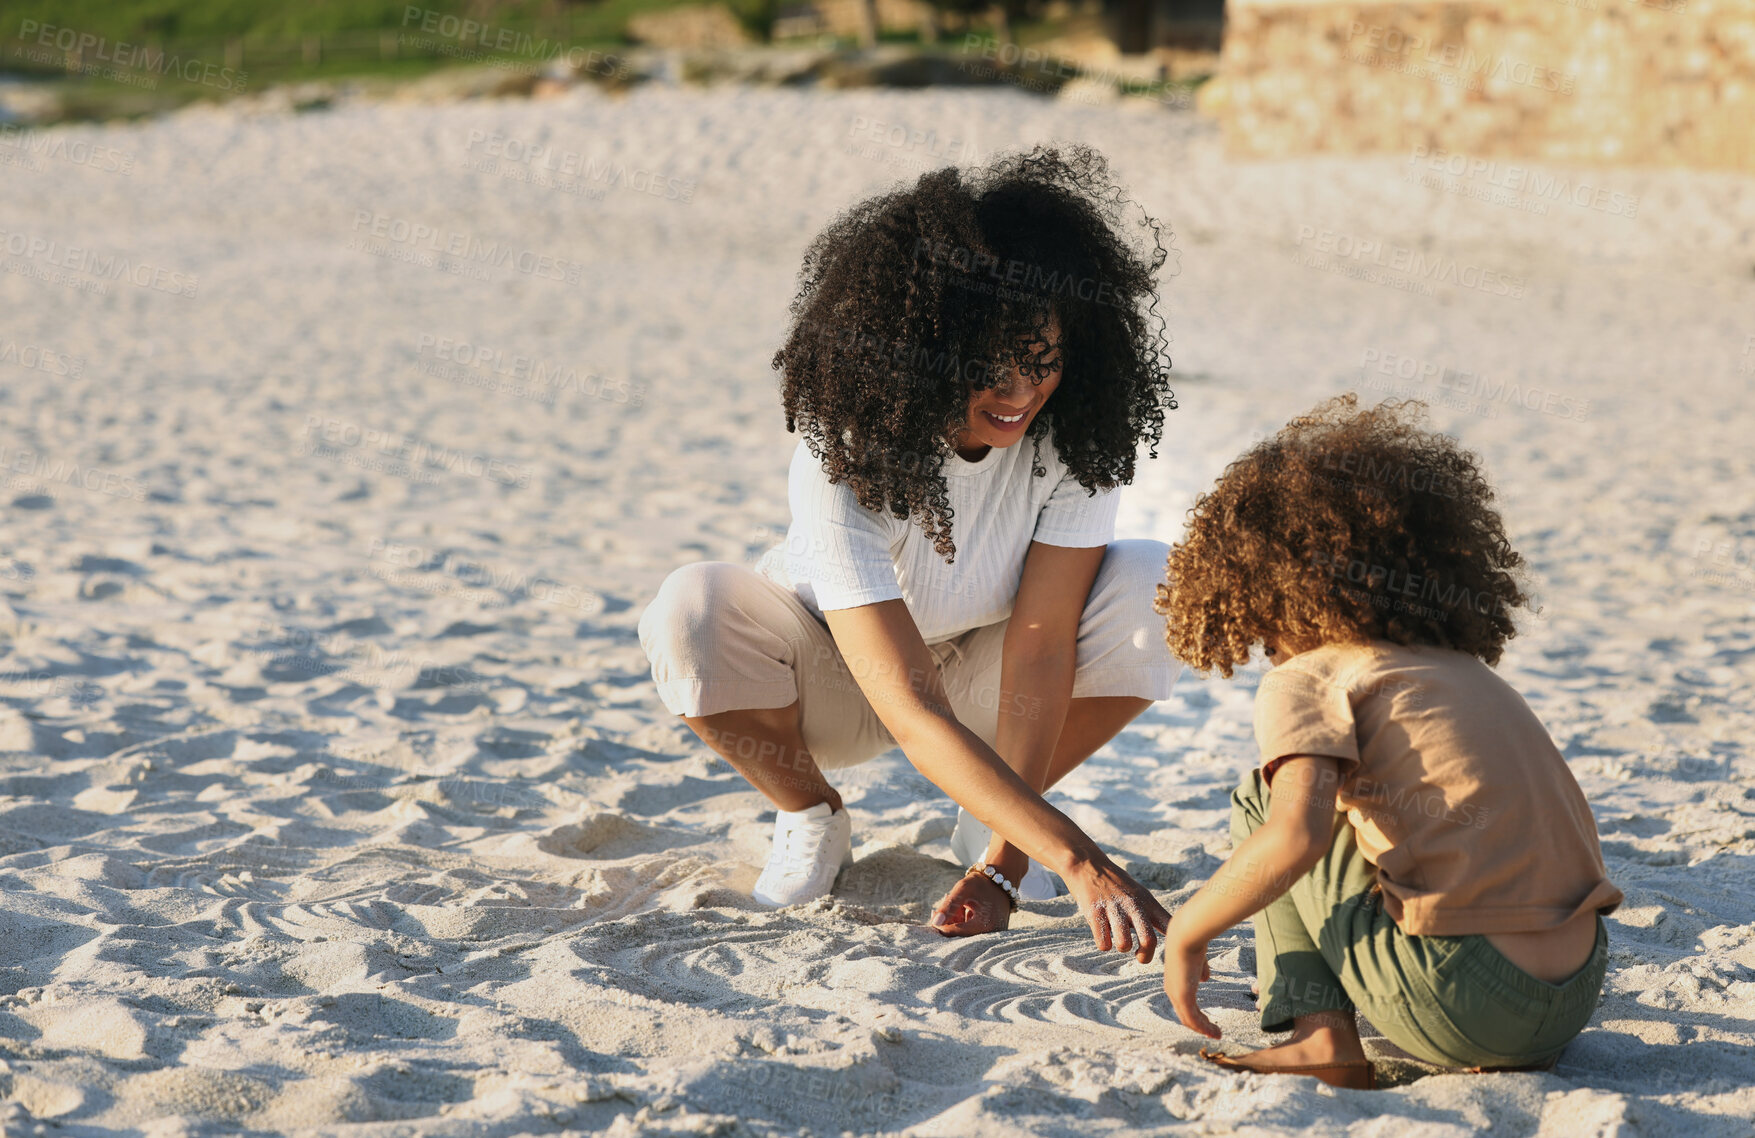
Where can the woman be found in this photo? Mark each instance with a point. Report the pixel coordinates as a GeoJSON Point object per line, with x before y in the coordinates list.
{"type": "Point", "coordinates": [973, 364]}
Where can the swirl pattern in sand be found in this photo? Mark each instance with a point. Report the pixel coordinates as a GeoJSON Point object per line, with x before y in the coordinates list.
{"type": "Point", "coordinates": [335, 796]}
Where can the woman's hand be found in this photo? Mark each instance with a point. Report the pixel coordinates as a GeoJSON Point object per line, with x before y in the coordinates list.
{"type": "Point", "coordinates": [1122, 913]}
{"type": "Point", "coordinates": [1185, 969]}
{"type": "Point", "coordinates": [975, 904]}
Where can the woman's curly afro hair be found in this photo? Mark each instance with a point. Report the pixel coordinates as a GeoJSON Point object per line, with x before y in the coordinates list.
{"type": "Point", "coordinates": [910, 302]}
{"type": "Point", "coordinates": [1346, 527]}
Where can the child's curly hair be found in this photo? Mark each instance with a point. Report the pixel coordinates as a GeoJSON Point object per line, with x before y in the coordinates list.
{"type": "Point", "coordinates": [911, 301]}
{"type": "Point", "coordinates": [1347, 526]}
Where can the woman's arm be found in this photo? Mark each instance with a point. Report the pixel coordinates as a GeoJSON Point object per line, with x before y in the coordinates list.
{"type": "Point", "coordinates": [884, 651]}
{"type": "Point", "coordinates": [1037, 663]}
{"type": "Point", "coordinates": [1298, 832]}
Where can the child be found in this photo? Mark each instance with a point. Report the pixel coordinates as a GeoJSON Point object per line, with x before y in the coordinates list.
{"type": "Point", "coordinates": [1424, 854]}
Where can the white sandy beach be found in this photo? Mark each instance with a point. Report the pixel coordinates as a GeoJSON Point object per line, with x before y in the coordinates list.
{"type": "Point", "coordinates": [336, 797]}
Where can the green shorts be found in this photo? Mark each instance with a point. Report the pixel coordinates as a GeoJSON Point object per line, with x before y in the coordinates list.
{"type": "Point", "coordinates": [1327, 944]}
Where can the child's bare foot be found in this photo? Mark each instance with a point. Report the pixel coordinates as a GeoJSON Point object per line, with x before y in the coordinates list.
{"type": "Point", "coordinates": [1325, 1037]}
{"type": "Point", "coordinates": [1324, 1046]}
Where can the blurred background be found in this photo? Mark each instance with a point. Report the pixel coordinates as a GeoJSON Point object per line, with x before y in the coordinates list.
{"type": "Point", "coordinates": [1631, 81]}
{"type": "Point", "coordinates": [101, 53]}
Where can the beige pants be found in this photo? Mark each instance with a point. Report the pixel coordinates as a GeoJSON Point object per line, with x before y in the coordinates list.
{"type": "Point", "coordinates": [722, 637]}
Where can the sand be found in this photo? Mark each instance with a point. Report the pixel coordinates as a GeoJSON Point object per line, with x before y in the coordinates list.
{"type": "Point", "coordinates": [336, 794]}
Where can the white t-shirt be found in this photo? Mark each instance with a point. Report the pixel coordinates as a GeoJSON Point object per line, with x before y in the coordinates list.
{"type": "Point", "coordinates": [838, 554]}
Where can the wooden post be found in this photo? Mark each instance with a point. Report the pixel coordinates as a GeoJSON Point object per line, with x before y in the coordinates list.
{"type": "Point", "coordinates": [1002, 24]}
{"type": "Point", "coordinates": [234, 53]}
{"type": "Point", "coordinates": [1129, 24]}
{"type": "Point", "coordinates": [928, 23]}
{"type": "Point", "coordinates": [314, 49]}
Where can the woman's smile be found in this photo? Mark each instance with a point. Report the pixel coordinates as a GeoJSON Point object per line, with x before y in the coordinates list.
{"type": "Point", "coordinates": [1012, 422]}
{"type": "Point", "coordinates": [1001, 425]}
{"type": "Point", "coordinates": [996, 421]}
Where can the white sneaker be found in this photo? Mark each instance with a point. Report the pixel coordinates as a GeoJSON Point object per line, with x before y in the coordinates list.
{"type": "Point", "coordinates": [969, 845]}
{"type": "Point", "coordinates": [810, 849]}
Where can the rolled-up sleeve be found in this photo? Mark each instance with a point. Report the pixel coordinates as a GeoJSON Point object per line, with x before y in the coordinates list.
{"type": "Point", "coordinates": [1075, 518]}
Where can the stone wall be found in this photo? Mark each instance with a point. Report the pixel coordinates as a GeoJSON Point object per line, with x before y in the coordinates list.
{"type": "Point", "coordinates": [695, 27]}
{"type": "Point", "coordinates": [847, 17]}
{"type": "Point", "coordinates": [1643, 82]}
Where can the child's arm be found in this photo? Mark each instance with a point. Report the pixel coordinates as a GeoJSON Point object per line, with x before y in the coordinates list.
{"type": "Point", "coordinates": [1298, 831]}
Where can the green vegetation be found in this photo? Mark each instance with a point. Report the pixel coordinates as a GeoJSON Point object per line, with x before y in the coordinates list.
{"type": "Point", "coordinates": [281, 40]}
{"type": "Point", "coordinates": [125, 58]}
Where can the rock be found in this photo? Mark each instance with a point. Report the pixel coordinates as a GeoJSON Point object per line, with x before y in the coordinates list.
{"type": "Point", "coordinates": [693, 28]}
{"type": "Point", "coordinates": [845, 19]}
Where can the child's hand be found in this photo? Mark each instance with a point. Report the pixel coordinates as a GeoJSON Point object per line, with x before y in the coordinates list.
{"type": "Point", "coordinates": [1185, 968]}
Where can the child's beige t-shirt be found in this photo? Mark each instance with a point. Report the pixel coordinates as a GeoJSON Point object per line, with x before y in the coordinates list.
{"type": "Point", "coordinates": [1455, 789]}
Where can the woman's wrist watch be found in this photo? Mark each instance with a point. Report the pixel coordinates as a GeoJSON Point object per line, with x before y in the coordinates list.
{"type": "Point", "coordinates": [982, 869]}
